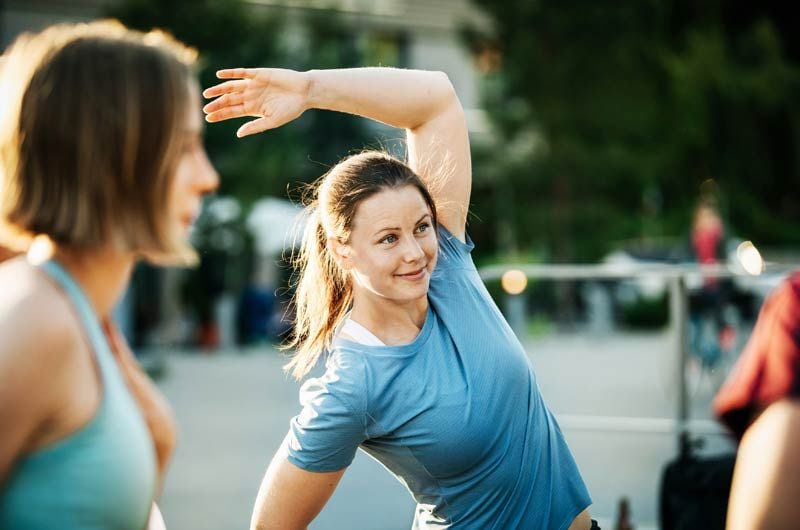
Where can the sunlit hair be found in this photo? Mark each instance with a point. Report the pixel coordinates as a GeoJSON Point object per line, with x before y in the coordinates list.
{"type": "Point", "coordinates": [323, 291]}
{"type": "Point", "coordinates": [90, 138]}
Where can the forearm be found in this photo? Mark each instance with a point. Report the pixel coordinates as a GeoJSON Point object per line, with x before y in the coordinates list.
{"type": "Point", "coordinates": [405, 99]}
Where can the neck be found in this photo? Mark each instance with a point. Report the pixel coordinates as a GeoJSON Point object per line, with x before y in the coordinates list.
{"type": "Point", "coordinates": [102, 274]}
{"type": "Point", "coordinates": [392, 322]}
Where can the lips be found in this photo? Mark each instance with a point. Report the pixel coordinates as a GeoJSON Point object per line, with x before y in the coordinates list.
{"type": "Point", "coordinates": [413, 275]}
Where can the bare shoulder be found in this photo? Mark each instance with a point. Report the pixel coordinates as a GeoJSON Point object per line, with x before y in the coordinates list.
{"type": "Point", "coordinates": [40, 339]}
{"type": "Point", "coordinates": [37, 322]}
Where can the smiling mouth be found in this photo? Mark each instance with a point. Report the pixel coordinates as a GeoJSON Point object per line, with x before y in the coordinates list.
{"type": "Point", "coordinates": [414, 274]}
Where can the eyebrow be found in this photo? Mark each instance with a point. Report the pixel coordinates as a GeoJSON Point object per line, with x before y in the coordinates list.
{"type": "Point", "coordinates": [398, 228]}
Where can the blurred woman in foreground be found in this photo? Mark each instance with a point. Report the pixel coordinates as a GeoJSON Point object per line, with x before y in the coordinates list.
{"type": "Point", "coordinates": [102, 164]}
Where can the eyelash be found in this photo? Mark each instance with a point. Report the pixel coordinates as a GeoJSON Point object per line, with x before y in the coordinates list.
{"type": "Point", "coordinates": [424, 226]}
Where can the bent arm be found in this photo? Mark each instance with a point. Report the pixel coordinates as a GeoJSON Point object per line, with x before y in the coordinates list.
{"type": "Point", "coordinates": [425, 105]}
{"type": "Point", "coordinates": [421, 102]}
{"type": "Point", "coordinates": [290, 497]}
{"type": "Point", "coordinates": [766, 479]}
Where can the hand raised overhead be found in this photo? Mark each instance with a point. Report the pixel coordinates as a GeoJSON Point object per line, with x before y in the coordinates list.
{"type": "Point", "coordinates": [274, 96]}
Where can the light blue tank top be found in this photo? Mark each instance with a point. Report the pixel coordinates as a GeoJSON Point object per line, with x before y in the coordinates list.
{"type": "Point", "coordinates": [100, 477]}
{"type": "Point", "coordinates": [456, 415]}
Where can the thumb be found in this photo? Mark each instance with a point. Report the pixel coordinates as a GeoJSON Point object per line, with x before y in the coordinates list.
{"type": "Point", "coordinates": [253, 127]}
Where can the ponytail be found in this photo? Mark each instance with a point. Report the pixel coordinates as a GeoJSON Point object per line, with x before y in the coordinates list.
{"type": "Point", "coordinates": [322, 298]}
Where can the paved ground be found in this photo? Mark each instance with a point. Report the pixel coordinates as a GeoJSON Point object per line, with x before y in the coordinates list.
{"type": "Point", "coordinates": [614, 396]}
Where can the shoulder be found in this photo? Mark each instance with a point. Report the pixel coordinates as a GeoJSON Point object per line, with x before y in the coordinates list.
{"type": "Point", "coordinates": [779, 321]}
{"type": "Point", "coordinates": [453, 251]}
{"type": "Point", "coordinates": [345, 381]}
{"type": "Point", "coordinates": [37, 324]}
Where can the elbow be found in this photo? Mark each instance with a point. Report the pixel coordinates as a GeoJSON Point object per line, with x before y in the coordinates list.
{"type": "Point", "coordinates": [440, 99]}
{"type": "Point", "coordinates": [445, 91]}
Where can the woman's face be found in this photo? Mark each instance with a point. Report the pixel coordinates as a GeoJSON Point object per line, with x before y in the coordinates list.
{"type": "Point", "coordinates": [392, 249]}
{"type": "Point", "coordinates": [194, 176]}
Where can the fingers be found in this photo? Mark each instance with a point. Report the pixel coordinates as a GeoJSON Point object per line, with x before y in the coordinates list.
{"type": "Point", "coordinates": [228, 100]}
{"type": "Point", "coordinates": [237, 73]}
{"type": "Point", "coordinates": [224, 88]}
{"type": "Point", "coordinates": [226, 113]}
{"type": "Point", "coordinates": [253, 127]}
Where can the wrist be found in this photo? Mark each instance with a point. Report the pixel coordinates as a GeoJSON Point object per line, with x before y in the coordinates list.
{"type": "Point", "coordinates": [311, 89]}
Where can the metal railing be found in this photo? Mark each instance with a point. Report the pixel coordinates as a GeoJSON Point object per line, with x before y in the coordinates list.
{"type": "Point", "coordinates": [675, 276]}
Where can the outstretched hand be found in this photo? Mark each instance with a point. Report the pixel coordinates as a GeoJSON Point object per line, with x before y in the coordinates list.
{"type": "Point", "coordinates": [274, 96]}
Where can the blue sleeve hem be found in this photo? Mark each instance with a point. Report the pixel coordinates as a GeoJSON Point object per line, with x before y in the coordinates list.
{"type": "Point", "coordinates": [311, 468]}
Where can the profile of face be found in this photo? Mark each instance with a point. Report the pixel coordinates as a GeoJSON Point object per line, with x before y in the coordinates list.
{"type": "Point", "coordinates": [392, 248]}
{"type": "Point", "coordinates": [194, 175]}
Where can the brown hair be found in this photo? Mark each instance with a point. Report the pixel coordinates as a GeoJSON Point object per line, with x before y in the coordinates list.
{"type": "Point", "coordinates": [324, 293]}
{"type": "Point", "coordinates": [89, 138]}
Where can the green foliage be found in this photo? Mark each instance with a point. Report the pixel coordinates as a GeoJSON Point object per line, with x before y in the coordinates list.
{"type": "Point", "coordinates": [645, 313]}
{"type": "Point", "coordinates": [611, 115]}
{"type": "Point", "coordinates": [231, 33]}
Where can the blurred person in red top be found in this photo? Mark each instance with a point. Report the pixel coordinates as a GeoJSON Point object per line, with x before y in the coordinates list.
{"type": "Point", "coordinates": [760, 404]}
{"type": "Point", "coordinates": [708, 234]}
{"type": "Point", "coordinates": [712, 332]}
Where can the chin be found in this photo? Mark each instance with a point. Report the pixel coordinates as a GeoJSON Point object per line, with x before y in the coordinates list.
{"type": "Point", "coordinates": [412, 295]}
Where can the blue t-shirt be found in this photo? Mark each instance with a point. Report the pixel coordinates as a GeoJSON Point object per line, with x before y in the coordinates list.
{"type": "Point", "coordinates": [456, 415]}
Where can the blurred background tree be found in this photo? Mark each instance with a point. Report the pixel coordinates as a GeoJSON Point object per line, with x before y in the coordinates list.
{"type": "Point", "coordinates": [229, 33]}
{"type": "Point", "coordinates": [610, 116]}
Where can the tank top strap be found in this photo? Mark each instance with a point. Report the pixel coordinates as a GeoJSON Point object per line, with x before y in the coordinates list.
{"type": "Point", "coordinates": [88, 317]}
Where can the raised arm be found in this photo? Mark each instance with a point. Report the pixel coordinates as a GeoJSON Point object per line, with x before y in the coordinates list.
{"type": "Point", "coordinates": [421, 102]}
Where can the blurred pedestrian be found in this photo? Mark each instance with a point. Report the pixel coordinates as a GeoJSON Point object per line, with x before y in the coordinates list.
{"type": "Point", "coordinates": [102, 164]}
{"type": "Point", "coordinates": [760, 403]}
{"type": "Point", "coordinates": [423, 372]}
{"type": "Point", "coordinates": [712, 334]}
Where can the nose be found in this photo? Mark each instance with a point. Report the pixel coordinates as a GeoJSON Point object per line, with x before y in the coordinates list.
{"type": "Point", "coordinates": [206, 177]}
{"type": "Point", "coordinates": [412, 251]}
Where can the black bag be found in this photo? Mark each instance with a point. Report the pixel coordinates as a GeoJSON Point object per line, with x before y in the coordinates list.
{"type": "Point", "coordinates": [694, 490]}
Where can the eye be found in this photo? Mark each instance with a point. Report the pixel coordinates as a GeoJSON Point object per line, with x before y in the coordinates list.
{"type": "Point", "coordinates": [424, 227]}
{"type": "Point", "coordinates": [391, 238]}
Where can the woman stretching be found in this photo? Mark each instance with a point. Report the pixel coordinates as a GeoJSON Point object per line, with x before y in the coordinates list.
{"type": "Point", "coordinates": [423, 372]}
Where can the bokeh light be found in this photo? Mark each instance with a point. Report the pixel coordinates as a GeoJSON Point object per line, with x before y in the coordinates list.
{"type": "Point", "coordinates": [750, 258]}
{"type": "Point", "coordinates": [514, 281]}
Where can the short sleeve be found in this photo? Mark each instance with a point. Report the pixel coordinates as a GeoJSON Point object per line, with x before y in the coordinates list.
{"type": "Point", "coordinates": [769, 368]}
{"type": "Point", "coordinates": [332, 424]}
{"type": "Point", "coordinates": [453, 253]}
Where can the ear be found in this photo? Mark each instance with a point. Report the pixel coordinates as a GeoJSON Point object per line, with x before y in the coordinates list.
{"type": "Point", "coordinates": [340, 252]}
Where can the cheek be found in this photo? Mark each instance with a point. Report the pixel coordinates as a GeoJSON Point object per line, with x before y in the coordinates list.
{"type": "Point", "coordinates": [432, 249]}
{"type": "Point", "coordinates": [181, 185]}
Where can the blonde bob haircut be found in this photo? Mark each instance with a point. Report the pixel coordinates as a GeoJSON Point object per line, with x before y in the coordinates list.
{"type": "Point", "coordinates": [90, 138]}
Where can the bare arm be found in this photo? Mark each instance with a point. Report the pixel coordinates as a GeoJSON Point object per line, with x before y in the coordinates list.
{"type": "Point", "coordinates": [423, 103]}
{"type": "Point", "coordinates": [766, 480]}
{"type": "Point", "coordinates": [289, 497]}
